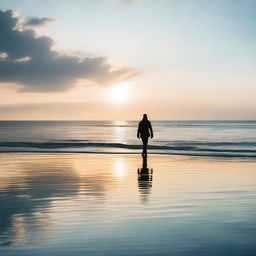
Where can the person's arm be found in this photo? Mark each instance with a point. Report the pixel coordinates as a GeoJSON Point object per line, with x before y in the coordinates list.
{"type": "Point", "coordinates": [151, 130]}
{"type": "Point", "coordinates": [138, 131]}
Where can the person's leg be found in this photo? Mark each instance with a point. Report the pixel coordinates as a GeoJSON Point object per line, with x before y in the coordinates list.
{"type": "Point", "coordinates": [145, 144]}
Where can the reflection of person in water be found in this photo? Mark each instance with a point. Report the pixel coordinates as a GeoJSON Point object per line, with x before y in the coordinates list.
{"type": "Point", "coordinates": [145, 177]}
{"type": "Point", "coordinates": [144, 132]}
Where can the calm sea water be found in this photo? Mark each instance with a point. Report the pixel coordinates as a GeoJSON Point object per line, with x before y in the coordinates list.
{"type": "Point", "coordinates": [98, 204]}
{"type": "Point", "coordinates": [197, 196]}
{"type": "Point", "coordinates": [209, 138]}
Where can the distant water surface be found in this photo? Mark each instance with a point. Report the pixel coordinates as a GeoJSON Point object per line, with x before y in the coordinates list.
{"type": "Point", "coordinates": [205, 138]}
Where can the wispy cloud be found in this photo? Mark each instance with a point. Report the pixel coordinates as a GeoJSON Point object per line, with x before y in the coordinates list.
{"type": "Point", "coordinates": [30, 61]}
{"type": "Point", "coordinates": [131, 2]}
{"type": "Point", "coordinates": [37, 22]}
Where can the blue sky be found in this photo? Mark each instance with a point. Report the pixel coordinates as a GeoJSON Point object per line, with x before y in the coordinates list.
{"type": "Point", "coordinates": [195, 55]}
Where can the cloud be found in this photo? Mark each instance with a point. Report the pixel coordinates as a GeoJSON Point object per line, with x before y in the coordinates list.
{"type": "Point", "coordinates": [29, 61]}
{"type": "Point", "coordinates": [37, 22]}
{"type": "Point", "coordinates": [131, 2]}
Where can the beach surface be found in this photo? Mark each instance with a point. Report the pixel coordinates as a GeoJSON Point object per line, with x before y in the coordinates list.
{"type": "Point", "coordinates": [98, 204]}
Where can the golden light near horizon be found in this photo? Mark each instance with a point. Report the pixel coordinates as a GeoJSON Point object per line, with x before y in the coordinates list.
{"type": "Point", "coordinates": [119, 93]}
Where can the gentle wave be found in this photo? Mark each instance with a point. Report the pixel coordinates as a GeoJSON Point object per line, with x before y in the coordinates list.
{"type": "Point", "coordinates": [189, 149]}
{"type": "Point", "coordinates": [212, 143]}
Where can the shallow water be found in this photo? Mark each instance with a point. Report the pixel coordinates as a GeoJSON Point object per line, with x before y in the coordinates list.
{"type": "Point", "coordinates": [88, 204]}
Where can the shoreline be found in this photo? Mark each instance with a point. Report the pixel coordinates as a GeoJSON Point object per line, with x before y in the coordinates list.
{"type": "Point", "coordinates": [133, 153]}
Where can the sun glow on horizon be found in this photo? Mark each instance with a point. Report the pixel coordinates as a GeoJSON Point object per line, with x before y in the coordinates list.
{"type": "Point", "coordinates": [119, 93]}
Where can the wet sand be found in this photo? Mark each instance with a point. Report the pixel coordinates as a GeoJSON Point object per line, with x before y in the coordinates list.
{"type": "Point", "coordinates": [91, 204]}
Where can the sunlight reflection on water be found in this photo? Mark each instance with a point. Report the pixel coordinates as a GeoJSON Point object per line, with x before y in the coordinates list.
{"type": "Point", "coordinates": [62, 204]}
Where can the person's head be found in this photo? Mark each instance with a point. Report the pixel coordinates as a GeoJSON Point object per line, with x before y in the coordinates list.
{"type": "Point", "coordinates": [145, 117]}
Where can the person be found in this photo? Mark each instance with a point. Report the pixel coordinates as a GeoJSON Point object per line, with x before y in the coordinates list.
{"type": "Point", "coordinates": [144, 132]}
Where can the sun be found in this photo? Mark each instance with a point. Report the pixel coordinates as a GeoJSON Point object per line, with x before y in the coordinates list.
{"type": "Point", "coordinates": [119, 93]}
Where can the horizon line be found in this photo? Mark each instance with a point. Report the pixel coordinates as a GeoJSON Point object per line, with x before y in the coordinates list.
{"type": "Point", "coordinates": [128, 120]}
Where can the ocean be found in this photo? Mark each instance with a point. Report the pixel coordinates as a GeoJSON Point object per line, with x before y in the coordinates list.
{"type": "Point", "coordinates": [194, 138]}
{"type": "Point", "coordinates": [82, 188]}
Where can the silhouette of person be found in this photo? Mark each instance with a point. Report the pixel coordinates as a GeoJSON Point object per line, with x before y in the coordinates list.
{"type": "Point", "coordinates": [144, 132]}
{"type": "Point", "coordinates": [145, 177]}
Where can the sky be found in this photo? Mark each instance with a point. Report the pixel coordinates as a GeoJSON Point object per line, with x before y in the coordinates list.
{"type": "Point", "coordinates": [118, 59]}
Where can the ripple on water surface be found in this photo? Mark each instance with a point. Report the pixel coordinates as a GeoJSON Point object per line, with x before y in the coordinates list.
{"type": "Point", "coordinates": [62, 204]}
